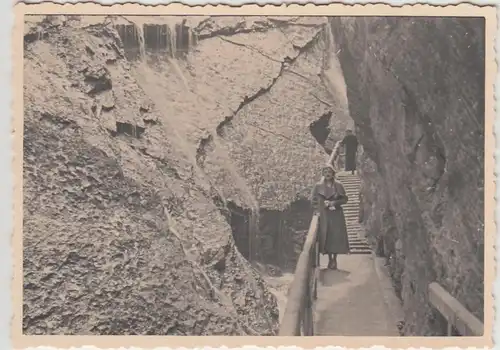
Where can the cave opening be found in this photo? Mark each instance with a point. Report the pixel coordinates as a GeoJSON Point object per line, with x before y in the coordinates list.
{"type": "Point", "coordinates": [242, 225]}
{"type": "Point", "coordinates": [320, 129]}
{"type": "Point", "coordinates": [282, 234]}
{"type": "Point", "coordinates": [271, 237]}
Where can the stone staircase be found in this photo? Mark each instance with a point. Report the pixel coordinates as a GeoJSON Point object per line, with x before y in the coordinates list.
{"type": "Point", "coordinates": [357, 242]}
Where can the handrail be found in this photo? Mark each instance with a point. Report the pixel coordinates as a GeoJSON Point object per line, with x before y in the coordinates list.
{"type": "Point", "coordinates": [457, 316]}
{"type": "Point", "coordinates": [298, 318]}
{"type": "Point", "coordinates": [334, 157]}
{"type": "Point", "coordinates": [299, 304]}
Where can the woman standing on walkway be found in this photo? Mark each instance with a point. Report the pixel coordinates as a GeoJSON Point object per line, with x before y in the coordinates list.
{"type": "Point", "coordinates": [327, 197]}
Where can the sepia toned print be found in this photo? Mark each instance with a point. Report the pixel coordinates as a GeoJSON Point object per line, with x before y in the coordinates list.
{"type": "Point", "coordinates": [256, 174]}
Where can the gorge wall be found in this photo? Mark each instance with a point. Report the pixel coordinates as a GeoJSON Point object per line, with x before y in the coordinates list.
{"type": "Point", "coordinates": [165, 156]}
{"type": "Point", "coordinates": [144, 140]}
{"type": "Point", "coordinates": [415, 88]}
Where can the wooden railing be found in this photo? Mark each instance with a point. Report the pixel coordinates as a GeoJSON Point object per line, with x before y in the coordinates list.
{"type": "Point", "coordinates": [457, 316]}
{"type": "Point", "coordinates": [298, 318]}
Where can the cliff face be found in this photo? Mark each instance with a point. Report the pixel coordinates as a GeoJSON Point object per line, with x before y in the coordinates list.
{"type": "Point", "coordinates": [416, 93]}
{"type": "Point", "coordinates": [144, 142]}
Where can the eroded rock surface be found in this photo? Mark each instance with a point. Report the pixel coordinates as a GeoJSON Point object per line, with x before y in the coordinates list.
{"type": "Point", "coordinates": [134, 143]}
{"type": "Point", "coordinates": [416, 92]}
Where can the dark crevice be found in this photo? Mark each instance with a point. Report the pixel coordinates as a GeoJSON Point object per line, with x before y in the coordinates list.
{"type": "Point", "coordinates": [43, 30]}
{"type": "Point", "coordinates": [148, 121]}
{"type": "Point", "coordinates": [59, 121]}
{"type": "Point", "coordinates": [239, 219]}
{"type": "Point", "coordinates": [320, 128]}
{"type": "Point", "coordinates": [279, 237]}
{"type": "Point", "coordinates": [284, 64]}
{"type": "Point", "coordinates": [162, 164]}
{"type": "Point", "coordinates": [202, 150]}
{"type": "Point", "coordinates": [32, 37]}
{"type": "Point", "coordinates": [434, 143]}
{"type": "Point", "coordinates": [225, 31]}
{"type": "Point", "coordinates": [283, 233]}
{"type": "Point", "coordinates": [254, 49]}
{"type": "Point", "coordinates": [99, 79]}
{"type": "Point", "coordinates": [205, 29]}
{"type": "Point", "coordinates": [288, 23]}
{"type": "Point", "coordinates": [156, 39]}
{"type": "Point", "coordinates": [128, 129]}
{"type": "Point", "coordinates": [107, 108]}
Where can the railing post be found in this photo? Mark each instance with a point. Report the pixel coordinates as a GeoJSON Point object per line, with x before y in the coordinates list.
{"type": "Point", "coordinates": [316, 270]}
{"type": "Point", "coordinates": [307, 312]}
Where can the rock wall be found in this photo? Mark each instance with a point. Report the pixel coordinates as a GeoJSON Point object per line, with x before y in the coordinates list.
{"type": "Point", "coordinates": [140, 134]}
{"type": "Point", "coordinates": [415, 88]}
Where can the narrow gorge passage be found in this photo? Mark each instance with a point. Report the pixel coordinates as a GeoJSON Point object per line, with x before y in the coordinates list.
{"type": "Point", "coordinates": [168, 164]}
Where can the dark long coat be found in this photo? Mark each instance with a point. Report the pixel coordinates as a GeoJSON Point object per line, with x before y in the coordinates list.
{"type": "Point", "coordinates": [332, 230]}
{"type": "Point", "coordinates": [350, 142]}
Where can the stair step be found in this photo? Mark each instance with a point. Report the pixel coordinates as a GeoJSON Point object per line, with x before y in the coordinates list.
{"type": "Point", "coordinates": [356, 236]}
{"type": "Point", "coordinates": [360, 252]}
{"type": "Point", "coordinates": [359, 246]}
{"type": "Point", "coordinates": [357, 239]}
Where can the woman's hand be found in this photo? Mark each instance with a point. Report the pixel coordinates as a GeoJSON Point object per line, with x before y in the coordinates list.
{"type": "Point", "coordinates": [333, 205]}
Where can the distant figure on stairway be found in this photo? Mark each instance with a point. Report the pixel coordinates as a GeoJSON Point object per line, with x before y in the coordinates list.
{"type": "Point", "coordinates": [327, 197]}
{"type": "Point", "coordinates": [350, 142]}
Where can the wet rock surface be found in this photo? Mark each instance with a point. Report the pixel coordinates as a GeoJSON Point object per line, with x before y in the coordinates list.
{"type": "Point", "coordinates": [416, 92]}
{"type": "Point", "coordinates": [130, 158]}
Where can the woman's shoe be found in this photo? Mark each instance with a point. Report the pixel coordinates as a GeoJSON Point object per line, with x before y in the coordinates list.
{"type": "Point", "coordinates": [334, 265]}
{"type": "Point", "coordinates": [330, 264]}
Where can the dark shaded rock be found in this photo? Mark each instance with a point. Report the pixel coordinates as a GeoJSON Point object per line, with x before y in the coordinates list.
{"type": "Point", "coordinates": [131, 40]}
{"type": "Point", "coordinates": [416, 92]}
{"type": "Point", "coordinates": [158, 37]}
{"type": "Point", "coordinates": [98, 78]}
{"type": "Point", "coordinates": [320, 128]}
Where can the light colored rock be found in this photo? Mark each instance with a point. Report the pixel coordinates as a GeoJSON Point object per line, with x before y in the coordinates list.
{"type": "Point", "coordinates": [121, 233]}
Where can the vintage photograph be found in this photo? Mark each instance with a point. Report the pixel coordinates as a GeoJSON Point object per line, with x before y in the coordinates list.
{"type": "Point", "coordinates": [254, 175]}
